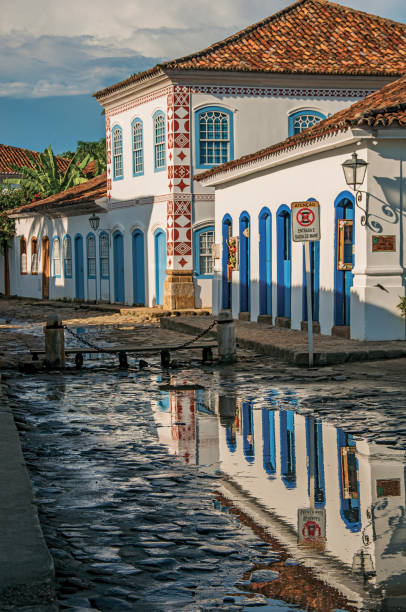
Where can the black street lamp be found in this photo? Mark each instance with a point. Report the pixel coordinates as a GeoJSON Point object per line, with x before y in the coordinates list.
{"type": "Point", "coordinates": [94, 221]}
{"type": "Point", "coordinates": [354, 172]}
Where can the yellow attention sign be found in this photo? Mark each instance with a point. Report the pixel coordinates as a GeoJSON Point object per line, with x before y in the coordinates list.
{"type": "Point", "coordinates": [305, 221]}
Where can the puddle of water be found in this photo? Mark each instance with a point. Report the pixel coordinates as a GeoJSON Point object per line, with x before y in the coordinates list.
{"type": "Point", "coordinates": [317, 515]}
{"type": "Point", "coordinates": [332, 505]}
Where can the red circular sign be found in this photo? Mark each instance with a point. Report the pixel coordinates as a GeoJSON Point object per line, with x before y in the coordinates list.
{"type": "Point", "coordinates": [311, 530]}
{"type": "Point", "coordinates": [305, 217]}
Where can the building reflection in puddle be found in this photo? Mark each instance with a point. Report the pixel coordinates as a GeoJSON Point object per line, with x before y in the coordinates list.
{"type": "Point", "coordinates": [275, 462]}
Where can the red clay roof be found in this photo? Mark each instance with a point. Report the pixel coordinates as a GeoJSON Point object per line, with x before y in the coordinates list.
{"type": "Point", "coordinates": [93, 189]}
{"type": "Point", "coordinates": [383, 108]}
{"type": "Point", "coordinates": [307, 37]}
{"type": "Point", "coordinates": [16, 156]}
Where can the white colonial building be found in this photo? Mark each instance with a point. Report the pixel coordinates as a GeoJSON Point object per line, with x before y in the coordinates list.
{"type": "Point", "coordinates": [271, 80]}
{"type": "Point", "coordinates": [358, 265]}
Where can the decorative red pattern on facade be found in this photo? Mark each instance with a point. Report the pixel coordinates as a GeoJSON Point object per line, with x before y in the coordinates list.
{"type": "Point", "coordinates": [179, 211]}
{"type": "Point", "coordinates": [142, 100]}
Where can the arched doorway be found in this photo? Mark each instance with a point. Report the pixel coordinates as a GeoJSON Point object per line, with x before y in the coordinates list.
{"type": "Point", "coordinates": [118, 256]}
{"type": "Point", "coordinates": [138, 268]}
{"type": "Point", "coordinates": [265, 262]}
{"type": "Point", "coordinates": [160, 265]}
{"type": "Point", "coordinates": [284, 261]}
{"type": "Point", "coordinates": [45, 268]}
{"type": "Point", "coordinates": [79, 269]}
{"type": "Point", "coordinates": [244, 262]}
{"type": "Point", "coordinates": [344, 258]}
{"type": "Point", "coordinates": [226, 284]}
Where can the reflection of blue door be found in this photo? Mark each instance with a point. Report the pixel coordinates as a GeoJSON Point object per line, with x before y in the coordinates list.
{"type": "Point", "coordinates": [248, 431]}
{"type": "Point", "coordinates": [79, 270]}
{"type": "Point", "coordinates": [160, 265]}
{"type": "Point", "coordinates": [288, 453]}
{"type": "Point", "coordinates": [138, 268]}
{"type": "Point", "coordinates": [284, 262]}
{"type": "Point", "coordinates": [118, 255]}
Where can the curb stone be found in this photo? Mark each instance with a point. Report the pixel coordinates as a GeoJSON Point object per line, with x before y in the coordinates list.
{"type": "Point", "coordinates": [26, 566]}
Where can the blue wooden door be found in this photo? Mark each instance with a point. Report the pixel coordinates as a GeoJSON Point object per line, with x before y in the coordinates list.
{"type": "Point", "coordinates": [79, 269]}
{"type": "Point", "coordinates": [244, 264]}
{"type": "Point", "coordinates": [315, 281]}
{"type": "Point", "coordinates": [118, 254]}
{"type": "Point", "coordinates": [160, 265]}
{"type": "Point", "coordinates": [284, 263]}
{"type": "Point", "coordinates": [226, 278]}
{"type": "Point", "coordinates": [265, 264]}
{"type": "Point", "coordinates": [138, 268]}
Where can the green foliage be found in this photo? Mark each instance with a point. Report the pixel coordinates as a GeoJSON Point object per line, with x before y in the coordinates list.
{"type": "Point", "coordinates": [97, 152]}
{"type": "Point", "coordinates": [44, 177]}
{"type": "Point", "coordinates": [402, 306]}
{"type": "Point", "coordinates": [11, 198]}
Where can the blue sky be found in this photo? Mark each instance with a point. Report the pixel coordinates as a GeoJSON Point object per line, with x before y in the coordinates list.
{"type": "Point", "coordinates": [53, 57]}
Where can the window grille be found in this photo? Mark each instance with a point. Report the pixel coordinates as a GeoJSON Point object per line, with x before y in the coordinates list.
{"type": "Point", "coordinates": [104, 255]}
{"type": "Point", "coordinates": [67, 256]}
{"type": "Point", "coordinates": [23, 256]}
{"type": "Point", "coordinates": [91, 256]}
{"type": "Point", "coordinates": [56, 259]}
{"type": "Point", "coordinates": [138, 159]}
{"type": "Point", "coordinates": [206, 262]}
{"type": "Point", "coordinates": [34, 256]}
{"type": "Point", "coordinates": [159, 141]}
{"type": "Point", "coordinates": [302, 120]}
{"type": "Point", "coordinates": [117, 153]}
{"type": "Point", "coordinates": [214, 137]}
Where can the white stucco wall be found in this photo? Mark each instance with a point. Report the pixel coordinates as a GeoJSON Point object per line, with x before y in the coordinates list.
{"type": "Point", "coordinates": [373, 309]}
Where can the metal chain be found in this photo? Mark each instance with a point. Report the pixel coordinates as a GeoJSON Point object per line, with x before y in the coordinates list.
{"type": "Point", "coordinates": [82, 340]}
{"type": "Point", "coordinates": [100, 350]}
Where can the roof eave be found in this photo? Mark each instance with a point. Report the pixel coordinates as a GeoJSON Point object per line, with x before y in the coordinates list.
{"type": "Point", "coordinates": [272, 160]}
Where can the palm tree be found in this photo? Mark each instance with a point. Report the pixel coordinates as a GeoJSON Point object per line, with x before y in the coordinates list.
{"type": "Point", "coordinates": [45, 178]}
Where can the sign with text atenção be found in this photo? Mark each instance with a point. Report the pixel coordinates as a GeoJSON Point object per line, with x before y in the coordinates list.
{"type": "Point", "coordinates": [305, 221]}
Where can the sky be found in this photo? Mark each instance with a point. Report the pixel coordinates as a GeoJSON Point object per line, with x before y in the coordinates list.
{"type": "Point", "coordinates": [54, 54]}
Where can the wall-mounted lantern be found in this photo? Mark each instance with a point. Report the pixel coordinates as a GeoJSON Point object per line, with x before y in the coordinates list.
{"type": "Point", "coordinates": [94, 221]}
{"type": "Point", "coordinates": [354, 172]}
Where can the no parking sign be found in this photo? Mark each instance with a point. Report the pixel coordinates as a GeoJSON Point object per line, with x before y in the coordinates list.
{"type": "Point", "coordinates": [305, 221]}
{"type": "Point", "coordinates": [311, 526]}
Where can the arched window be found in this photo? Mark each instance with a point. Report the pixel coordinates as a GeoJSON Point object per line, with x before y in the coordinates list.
{"type": "Point", "coordinates": [56, 258]}
{"type": "Point", "coordinates": [34, 256]}
{"type": "Point", "coordinates": [214, 136]}
{"type": "Point", "coordinates": [23, 256]}
{"type": "Point", "coordinates": [91, 256]}
{"type": "Point", "coordinates": [204, 262]}
{"type": "Point", "coordinates": [159, 141]}
{"type": "Point", "coordinates": [138, 147]}
{"type": "Point", "coordinates": [67, 257]}
{"type": "Point", "coordinates": [303, 119]}
{"type": "Point", "coordinates": [104, 256]}
{"type": "Point", "coordinates": [117, 147]}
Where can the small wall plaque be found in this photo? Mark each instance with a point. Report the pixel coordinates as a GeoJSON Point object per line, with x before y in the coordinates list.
{"type": "Point", "coordinates": [382, 244]}
{"type": "Point", "coordinates": [388, 488]}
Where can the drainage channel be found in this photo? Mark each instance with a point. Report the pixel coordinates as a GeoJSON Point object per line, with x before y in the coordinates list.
{"type": "Point", "coordinates": [166, 493]}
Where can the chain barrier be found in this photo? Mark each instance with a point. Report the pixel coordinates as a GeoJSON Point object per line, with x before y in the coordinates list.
{"type": "Point", "coordinates": [98, 349]}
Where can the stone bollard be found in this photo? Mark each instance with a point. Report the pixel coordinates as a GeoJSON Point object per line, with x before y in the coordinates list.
{"type": "Point", "coordinates": [226, 337]}
{"type": "Point", "coordinates": [54, 342]}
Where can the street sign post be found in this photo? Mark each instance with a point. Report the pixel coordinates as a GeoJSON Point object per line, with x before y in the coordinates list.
{"type": "Point", "coordinates": [306, 228]}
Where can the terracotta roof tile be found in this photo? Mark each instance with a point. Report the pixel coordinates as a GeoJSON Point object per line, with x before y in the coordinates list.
{"type": "Point", "coordinates": [93, 189]}
{"type": "Point", "coordinates": [383, 108]}
{"type": "Point", "coordinates": [307, 37]}
{"type": "Point", "coordinates": [16, 156]}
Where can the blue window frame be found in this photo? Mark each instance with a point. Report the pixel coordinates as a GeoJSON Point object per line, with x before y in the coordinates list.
{"type": "Point", "coordinates": [159, 141]}
{"type": "Point", "coordinates": [214, 136]}
{"type": "Point", "coordinates": [138, 147]}
{"type": "Point", "coordinates": [104, 255]}
{"type": "Point", "coordinates": [91, 255]}
{"type": "Point", "coordinates": [56, 257]}
{"type": "Point", "coordinates": [204, 263]}
{"type": "Point", "coordinates": [303, 119]}
{"type": "Point", "coordinates": [67, 257]}
{"type": "Point", "coordinates": [117, 152]}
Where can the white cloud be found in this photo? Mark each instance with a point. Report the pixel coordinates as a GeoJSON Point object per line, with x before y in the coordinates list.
{"type": "Point", "coordinates": [49, 48]}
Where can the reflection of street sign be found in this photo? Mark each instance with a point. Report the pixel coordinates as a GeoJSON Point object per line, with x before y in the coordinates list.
{"type": "Point", "coordinates": [305, 221]}
{"type": "Point", "coordinates": [311, 527]}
